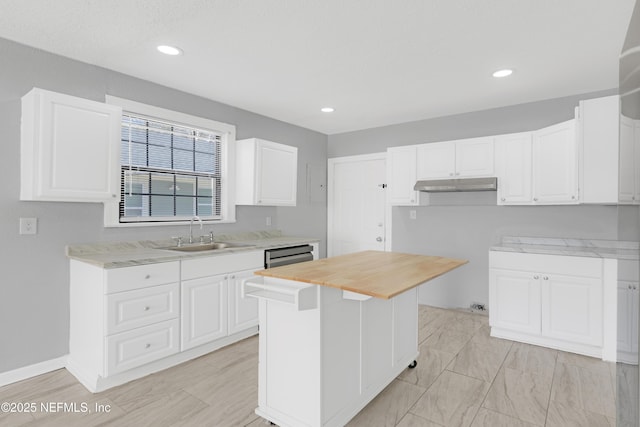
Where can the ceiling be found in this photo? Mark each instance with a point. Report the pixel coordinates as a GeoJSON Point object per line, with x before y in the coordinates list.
{"type": "Point", "coordinates": [377, 62]}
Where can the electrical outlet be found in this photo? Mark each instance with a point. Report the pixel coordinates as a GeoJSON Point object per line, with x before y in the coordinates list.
{"type": "Point", "coordinates": [28, 225]}
{"type": "Point", "coordinates": [412, 214]}
{"type": "Point", "coordinates": [478, 306]}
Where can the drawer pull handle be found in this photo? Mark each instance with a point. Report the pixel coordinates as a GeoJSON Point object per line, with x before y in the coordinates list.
{"type": "Point", "coordinates": [536, 277]}
{"type": "Point", "coordinates": [146, 308]}
{"type": "Point", "coordinates": [148, 276]}
{"type": "Point", "coordinates": [546, 278]}
{"type": "Point", "coordinates": [147, 346]}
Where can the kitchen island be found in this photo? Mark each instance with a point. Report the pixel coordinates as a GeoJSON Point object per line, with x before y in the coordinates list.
{"type": "Point", "coordinates": [335, 332]}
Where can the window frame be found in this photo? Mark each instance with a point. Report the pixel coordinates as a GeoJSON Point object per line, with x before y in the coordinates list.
{"type": "Point", "coordinates": [227, 162]}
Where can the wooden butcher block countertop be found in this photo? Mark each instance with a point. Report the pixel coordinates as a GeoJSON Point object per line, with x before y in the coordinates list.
{"type": "Point", "coordinates": [374, 273]}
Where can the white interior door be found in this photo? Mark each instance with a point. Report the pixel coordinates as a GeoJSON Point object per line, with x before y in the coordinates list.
{"type": "Point", "coordinates": [356, 204]}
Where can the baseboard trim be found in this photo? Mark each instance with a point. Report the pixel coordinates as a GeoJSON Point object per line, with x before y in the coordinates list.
{"type": "Point", "coordinates": [34, 370]}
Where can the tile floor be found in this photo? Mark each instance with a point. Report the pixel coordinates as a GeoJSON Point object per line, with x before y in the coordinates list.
{"type": "Point", "coordinates": [463, 378]}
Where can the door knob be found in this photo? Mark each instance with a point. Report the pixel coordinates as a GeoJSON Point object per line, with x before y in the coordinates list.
{"type": "Point", "coordinates": [378, 239]}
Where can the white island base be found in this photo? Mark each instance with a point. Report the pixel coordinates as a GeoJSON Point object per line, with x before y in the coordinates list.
{"type": "Point", "coordinates": [325, 353]}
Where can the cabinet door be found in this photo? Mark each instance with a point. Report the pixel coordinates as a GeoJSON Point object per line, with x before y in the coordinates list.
{"type": "Point", "coordinates": [627, 175]}
{"type": "Point", "coordinates": [636, 159]}
{"type": "Point", "coordinates": [204, 310]}
{"type": "Point", "coordinates": [474, 157]}
{"type": "Point", "coordinates": [243, 312]}
{"type": "Point", "coordinates": [572, 308]}
{"type": "Point", "coordinates": [514, 298]}
{"type": "Point", "coordinates": [69, 148]}
{"type": "Point", "coordinates": [624, 317]}
{"type": "Point", "coordinates": [277, 174]}
{"type": "Point", "coordinates": [635, 307]}
{"type": "Point", "coordinates": [555, 164]}
{"type": "Point", "coordinates": [513, 166]}
{"type": "Point", "coordinates": [401, 176]}
{"type": "Point", "coordinates": [436, 160]}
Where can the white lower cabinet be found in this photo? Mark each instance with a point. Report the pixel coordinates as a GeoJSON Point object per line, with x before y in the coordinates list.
{"type": "Point", "coordinates": [515, 300]}
{"type": "Point", "coordinates": [627, 342]}
{"type": "Point", "coordinates": [212, 304]}
{"type": "Point", "coordinates": [129, 322]}
{"type": "Point", "coordinates": [322, 361]}
{"type": "Point", "coordinates": [140, 346]}
{"type": "Point", "coordinates": [121, 320]}
{"type": "Point", "coordinates": [213, 307]}
{"type": "Point", "coordinates": [204, 310]}
{"type": "Point", "coordinates": [628, 307]}
{"type": "Point", "coordinates": [242, 311]}
{"type": "Point", "coordinates": [572, 308]}
{"type": "Point", "coordinates": [550, 300]}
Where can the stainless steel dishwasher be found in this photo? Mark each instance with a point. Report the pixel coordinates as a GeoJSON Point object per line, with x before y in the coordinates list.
{"type": "Point", "coordinates": [277, 257]}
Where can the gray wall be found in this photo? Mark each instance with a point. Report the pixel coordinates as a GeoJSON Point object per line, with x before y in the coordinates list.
{"type": "Point", "coordinates": [34, 286]}
{"type": "Point", "coordinates": [465, 225]}
{"type": "Point", "coordinates": [516, 118]}
{"type": "Point", "coordinates": [467, 232]}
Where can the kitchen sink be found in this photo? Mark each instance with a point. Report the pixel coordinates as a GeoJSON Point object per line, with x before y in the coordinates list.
{"type": "Point", "coordinates": [215, 246]}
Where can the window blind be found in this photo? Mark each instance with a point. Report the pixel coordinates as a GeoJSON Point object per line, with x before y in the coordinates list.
{"type": "Point", "coordinates": [169, 171]}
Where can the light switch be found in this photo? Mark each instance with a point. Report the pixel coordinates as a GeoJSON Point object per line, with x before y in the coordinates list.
{"type": "Point", "coordinates": [28, 225]}
{"type": "Point", "coordinates": [268, 221]}
{"type": "Point", "coordinates": [412, 214]}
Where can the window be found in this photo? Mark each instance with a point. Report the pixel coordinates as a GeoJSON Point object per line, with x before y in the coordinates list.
{"type": "Point", "coordinates": [172, 167]}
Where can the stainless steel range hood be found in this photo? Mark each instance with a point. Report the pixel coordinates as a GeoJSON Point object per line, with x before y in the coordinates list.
{"type": "Point", "coordinates": [458, 184]}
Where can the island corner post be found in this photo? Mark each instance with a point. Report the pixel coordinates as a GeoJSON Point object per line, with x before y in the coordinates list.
{"type": "Point", "coordinates": [336, 331]}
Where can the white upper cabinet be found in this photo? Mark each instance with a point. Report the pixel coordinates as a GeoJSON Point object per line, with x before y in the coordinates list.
{"type": "Point", "coordinates": [436, 160]}
{"type": "Point", "coordinates": [629, 176]}
{"type": "Point", "coordinates": [513, 168]}
{"type": "Point", "coordinates": [401, 175]}
{"type": "Point", "coordinates": [474, 157]}
{"type": "Point", "coordinates": [555, 161]}
{"type": "Point", "coordinates": [455, 159]}
{"type": "Point", "coordinates": [266, 173]}
{"type": "Point", "coordinates": [69, 148]}
{"type": "Point", "coordinates": [598, 134]}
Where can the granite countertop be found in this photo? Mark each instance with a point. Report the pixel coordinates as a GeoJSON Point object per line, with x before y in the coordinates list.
{"type": "Point", "coordinates": [617, 249]}
{"type": "Point", "coordinates": [374, 273]}
{"type": "Point", "coordinates": [127, 254]}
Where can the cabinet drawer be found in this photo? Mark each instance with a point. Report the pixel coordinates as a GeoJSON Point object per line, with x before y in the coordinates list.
{"type": "Point", "coordinates": [142, 307]}
{"type": "Point", "coordinates": [550, 264]}
{"type": "Point", "coordinates": [141, 276]}
{"type": "Point", "coordinates": [140, 346]}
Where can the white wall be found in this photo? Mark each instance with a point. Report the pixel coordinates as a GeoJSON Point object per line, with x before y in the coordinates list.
{"type": "Point", "coordinates": [34, 281]}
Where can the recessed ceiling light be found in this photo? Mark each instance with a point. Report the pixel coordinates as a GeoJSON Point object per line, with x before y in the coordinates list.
{"type": "Point", "coordinates": [327, 109]}
{"type": "Point", "coordinates": [503, 73]}
{"type": "Point", "coordinates": [169, 50]}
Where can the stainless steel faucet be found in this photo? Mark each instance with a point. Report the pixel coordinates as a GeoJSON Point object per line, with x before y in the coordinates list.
{"type": "Point", "coordinates": [191, 227]}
